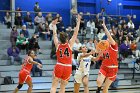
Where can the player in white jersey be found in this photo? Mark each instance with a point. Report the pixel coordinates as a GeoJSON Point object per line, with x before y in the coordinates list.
{"type": "Point", "coordinates": [82, 73]}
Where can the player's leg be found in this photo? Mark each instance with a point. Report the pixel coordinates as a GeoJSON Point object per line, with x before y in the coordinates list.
{"type": "Point", "coordinates": [30, 86]}
{"type": "Point", "coordinates": [106, 85]}
{"type": "Point", "coordinates": [17, 88]}
{"type": "Point", "coordinates": [54, 84]}
{"type": "Point", "coordinates": [63, 84]}
{"type": "Point", "coordinates": [100, 81]}
{"type": "Point", "coordinates": [85, 84]}
{"type": "Point", "coordinates": [76, 87]}
{"type": "Point", "coordinates": [29, 83]}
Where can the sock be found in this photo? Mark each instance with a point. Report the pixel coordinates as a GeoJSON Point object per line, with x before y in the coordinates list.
{"type": "Point", "coordinates": [98, 90]}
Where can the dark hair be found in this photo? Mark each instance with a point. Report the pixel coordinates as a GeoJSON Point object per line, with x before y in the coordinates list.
{"type": "Point", "coordinates": [55, 18]}
{"type": "Point", "coordinates": [36, 3]}
{"type": "Point", "coordinates": [63, 37]}
{"type": "Point", "coordinates": [29, 52]}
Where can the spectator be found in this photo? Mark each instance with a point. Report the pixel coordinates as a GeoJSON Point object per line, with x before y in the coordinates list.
{"type": "Point", "coordinates": [138, 32]}
{"type": "Point", "coordinates": [133, 47]}
{"type": "Point", "coordinates": [82, 25]}
{"type": "Point", "coordinates": [33, 44]}
{"type": "Point", "coordinates": [90, 45]}
{"type": "Point", "coordinates": [37, 8]}
{"type": "Point", "coordinates": [36, 68]}
{"type": "Point", "coordinates": [125, 49]}
{"type": "Point", "coordinates": [76, 47]}
{"type": "Point", "coordinates": [114, 84]}
{"type": "Point", "coordinates": [13, 53]}
{"type": "Point", "coordinates": [57, 15]}
{"type": "Point", "coordinates": [49, 18]}
{"type": "Point", "coordinates": [18, 20]}
{"type": "Point", "coordinates": [85, 43]}
{"type": "Point", "coordinates": [101, 34]}
{"type": "Point", "coordinates": [60, 25]}
{"type": "Point", "coordinates": [43, 31]}
{"type": "Point", "coordinates": [98, 23]}
{"type": "Point", "coordinates": [25, 32]}
{"type": "Point", "coordinates": [138, 49]}
{"type": "Point", "coordinates": [39, 18]}
{"type": "Point", "coordinates": [13, 35]}
{"type": "Point", "coordinates": [91, 27]}
{"type": "Point", "coordinates": [73, 16]}
{"type": "Point", "coordinates": [103, 12]}
{"type": "Point", "coordinates": [7, 19]}
{"type": "Point", "coordinates": [69, 31]}
{"type": "Point", "coordinates": [28, 20]}
{"type": "Point", "coordinates": [22, 43]}
{"type": "Point", "coordinates": [131, 24]}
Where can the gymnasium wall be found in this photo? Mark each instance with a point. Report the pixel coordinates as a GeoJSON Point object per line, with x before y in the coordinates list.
{"type": "Point", "coordinates": [60, 6]}
{"type": "Point", "coordinates": [131, 7]}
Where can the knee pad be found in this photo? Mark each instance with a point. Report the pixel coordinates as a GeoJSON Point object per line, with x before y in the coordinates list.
{"type": "Point", "coordinates": [19, 86]}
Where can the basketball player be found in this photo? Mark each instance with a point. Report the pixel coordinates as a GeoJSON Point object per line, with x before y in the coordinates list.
{"type": "Point", "coordinates": [63, 68]}
{"type": "Point", "coordinates": [109, 68]}
{"type": "Point", "coordinates": [24, 74]}
{"type": "Point", "coordinates": [82, 74]}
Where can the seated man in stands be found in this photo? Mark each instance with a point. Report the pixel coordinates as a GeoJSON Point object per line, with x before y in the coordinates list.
{"type": "Point", "coordinates": [125, 49]}
{"type": "Point", "coordinates": [76, 47]}
{"type": "Point", "coordinates": [90, 45]}
{"type": "Point", "coordinates": [28, 20]}
{"type": "Point", "coordinates": [25, 32]}
{"type": "Point", "coordinates": [7, 20]}
{"type": "Point", "coordinates": [39, 19]}
{"type": "Point", "coordinates": [43, 31]}
{"type": "Point", "coordinates": [114, 84]}
{"type": "Point", "coordinates": [22, 43]}
{"type": "Point", "coordinates": [33, 44]}
{"type": "Point", "coordinates": [13, 53]}
{"type": "Point", "coordinates": [35, 67]}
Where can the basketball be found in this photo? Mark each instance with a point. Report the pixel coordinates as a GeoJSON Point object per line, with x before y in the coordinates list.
{"type": "Point", "coordinates": [103, 45]}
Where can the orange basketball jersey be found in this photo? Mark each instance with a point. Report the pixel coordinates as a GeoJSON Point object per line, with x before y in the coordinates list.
{"type": "Point", "coordinates": [27, 65]}
{"type": "Point", "coordinates": [64, 54]}
{"type": "Point", "coordinates": [110, 56]}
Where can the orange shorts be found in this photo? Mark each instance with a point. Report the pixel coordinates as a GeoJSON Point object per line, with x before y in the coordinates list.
{"type": "Point", "coordinates": [24, 76]}
{"type": "Point", "coordinates": [110, 73]}
{"type": "Point", "coordinates": [62, 71]}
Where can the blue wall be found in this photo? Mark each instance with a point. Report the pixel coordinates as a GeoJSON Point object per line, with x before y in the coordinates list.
{"type": "Point", "coordinates": [92, 6]}
{"type": "Point", "coordinates": [4, 5]}
{"type": "Point", "coordinates": [128, 7]}
{"type": "Point", "coordinates": [60, 6]}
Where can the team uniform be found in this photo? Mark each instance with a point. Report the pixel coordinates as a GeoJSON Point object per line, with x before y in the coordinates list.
{"type": "Point", "coordinates": [110, 59]}
{"type": "Point", "coordinates": [83, 69]}
{"type": "Point", "coordinates": [24, 74]}
{"type": "Point", "coordinates": [63, 67]}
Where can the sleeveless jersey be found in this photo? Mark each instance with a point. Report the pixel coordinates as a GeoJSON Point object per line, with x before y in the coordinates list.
{"type": "Point", "coordinates": [64, 54]}
{"type": "Point", "coordinates": [27, 66]}
{"type": "Point", "coordinates": [84, 64]}
{"type": "Point", "coordinates": [110, 56]}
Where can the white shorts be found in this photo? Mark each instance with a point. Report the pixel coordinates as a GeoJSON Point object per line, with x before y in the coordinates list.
{"type": "Point", "coordinates": [79, 76]}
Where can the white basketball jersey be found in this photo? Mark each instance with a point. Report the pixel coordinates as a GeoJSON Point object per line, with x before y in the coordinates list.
{"type": "Point", "coordinates": [84, 64]}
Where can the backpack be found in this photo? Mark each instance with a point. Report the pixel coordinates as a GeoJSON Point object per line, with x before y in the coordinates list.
{"type": "Point", "coordinates": [8, 80]}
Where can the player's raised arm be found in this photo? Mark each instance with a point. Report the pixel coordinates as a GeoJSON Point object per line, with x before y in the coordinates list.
{"type": "Point", "coordinates": [111, 40]}
{"type": "Point", "coordinates": [72, 40]}
{"type": "Point", "coordinates": [54, 22]}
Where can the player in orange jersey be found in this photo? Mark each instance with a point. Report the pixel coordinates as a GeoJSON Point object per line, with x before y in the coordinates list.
{"type": "Point", "coordinates": [24, 74]}
{"type": "Point", "coordinates": [109, 67]}
{"type": "Point", "coordinates": [63, 68]}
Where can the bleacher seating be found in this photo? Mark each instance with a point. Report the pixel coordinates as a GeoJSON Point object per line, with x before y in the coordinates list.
{"type": "Point", "coordinates": [44, 83]}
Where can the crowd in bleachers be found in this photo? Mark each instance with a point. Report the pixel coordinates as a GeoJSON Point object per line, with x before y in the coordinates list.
{"type": "Point", "coordinates": [121, 28]}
